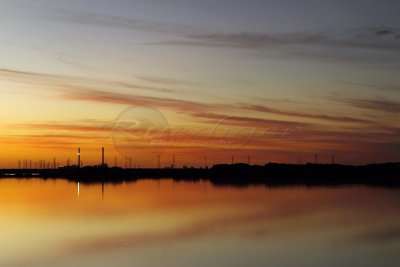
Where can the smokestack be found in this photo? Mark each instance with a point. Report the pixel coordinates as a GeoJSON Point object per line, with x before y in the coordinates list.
{"type": "Point", "coordinates": [102, 156]}
{"type": "Point", "coordinates": [79, 157]}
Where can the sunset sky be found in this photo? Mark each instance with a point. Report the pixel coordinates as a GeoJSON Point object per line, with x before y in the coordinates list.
{"type": "Point", "coordinates": [273, 80]}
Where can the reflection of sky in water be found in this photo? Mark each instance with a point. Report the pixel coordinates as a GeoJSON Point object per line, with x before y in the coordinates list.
{"type": "Point", "coordinates": [150, 223]}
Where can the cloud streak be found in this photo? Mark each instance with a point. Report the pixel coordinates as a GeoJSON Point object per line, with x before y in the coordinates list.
{"type": "Point", "coordinates": [322, 117]}
{"type": "Point", "coordinates": [380, 235]}
{"type": "Point", "coordinates": [54, 81]}
{"type": "Point", "coordinates": [381, 38]}
{"type": "Point", "coordinates": [378, 104]}
{"type": "Point", "coordinates": [82, 89]}
{"type": "Point", "coordinates": [247, 121]}
{"type": "Point", "coordinates": [362, 38]}
{"type": "Point", "coordinates": [110, 21]}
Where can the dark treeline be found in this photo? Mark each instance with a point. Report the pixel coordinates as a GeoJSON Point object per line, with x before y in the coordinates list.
{"type": "Point", "coordinates": [272, 174]}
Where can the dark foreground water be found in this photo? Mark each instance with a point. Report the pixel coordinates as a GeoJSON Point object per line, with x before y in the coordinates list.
{"type": "Point", "coordinates": [165, 223]}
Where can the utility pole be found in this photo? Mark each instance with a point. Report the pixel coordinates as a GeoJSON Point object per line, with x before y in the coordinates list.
{"type": "Point", "coordinates": [102, 156]}
{"type": "Point", "coordinates": [232, 160]}
{"type": "Point", "coordinates": [205, 162]}
{"type": "Point", "coordinates": [79, 157]}
{"type": "Point", "coordinates": [248, 160]}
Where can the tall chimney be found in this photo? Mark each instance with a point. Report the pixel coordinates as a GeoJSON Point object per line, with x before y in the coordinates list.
{"type": "Point", "coordinates": [102, 156]}
{"type": "Point", "coordinates": [79, 157]}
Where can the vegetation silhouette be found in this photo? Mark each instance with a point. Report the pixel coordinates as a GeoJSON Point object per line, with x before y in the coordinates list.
{"type": "Point", "coordinates": [271, 174]}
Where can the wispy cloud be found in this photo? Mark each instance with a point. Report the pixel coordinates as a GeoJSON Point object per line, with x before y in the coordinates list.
{"type": "Point", "coordinates": [377, 104]}
{"type": "Point", "coordinates": [322, 117]}
{"type": "Point", "coordinates": [82, 89]}
{"type": "Point", "coordinates": [382, 37]}
{"type": "Point", "coordinates": [385, 31]}
{"type": "Point", "coordinates": [129, 99]}
{"type": "Point", "coordinates": [386, 234]}
{"type": "Point", "coordinates": [54, 81]}
{"type": "Point", "coordinates": [160, 80]}
{"type": "Point", "coordinates": [110, 21]}
{"type": "Point", "coordinates": [71, 127]}
{"type": "Point", "coordinates": [248, 121]}
{"type": "Point", "coordinates": [378, 86]}
{"type": "Point", "coordinates": [361, 38]}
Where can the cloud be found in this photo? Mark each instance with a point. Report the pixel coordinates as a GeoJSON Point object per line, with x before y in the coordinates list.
{"type": "Point", "coordinates": [83, 89]}
{"type": "Point", "coordinates": [360, 46]}
{"type": "Point", "coordinates": [159, 80]}
{"type": "Point", "coordinates": [373, 104]}
{"type": "Point", "coordinates": [110, 21]}
{"type": "Point", "coordinates": [386, 234]}
{"type": "Point", "coordinates": [247, 121]}
{"type": "Point", "coordinates": [374, 38]}
{"type": "Point", "coordinates": [383, 31]}
{"type": "Point", "coordinates": [211, 113]}
{"type": "Point", "coordinates": [360, 38]}
{"type": "Point", "coordinates": [128, 99]}
{"type": "Point", "coordinates": [323, 117]}
{"type": "Point", "coordinates": [83, 128]}
{"type": "Point", "coordinates": [145, 87]}
{"type": "Point", "coordinates": [381, 87]}
{"type": "Point", "coordinates": [68, 90]}
{"type": "Point", "coordinates": [54, 80]}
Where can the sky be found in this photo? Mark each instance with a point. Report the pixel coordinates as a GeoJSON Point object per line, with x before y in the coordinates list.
{"type": "Point", "coordinates": [206, 81]}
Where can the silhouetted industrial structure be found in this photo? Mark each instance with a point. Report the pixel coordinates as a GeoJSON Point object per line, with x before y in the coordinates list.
{"type": "Point", "coordinates": [79, 157]}
{"type": "Point", "coordinates": [102, 156]}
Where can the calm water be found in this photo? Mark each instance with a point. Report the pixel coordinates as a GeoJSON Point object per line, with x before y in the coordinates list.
{"type": "Point", "coordinates": [166, 223]}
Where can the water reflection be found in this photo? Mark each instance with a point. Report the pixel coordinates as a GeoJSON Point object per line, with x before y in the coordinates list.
{"type": "Point", "coordinates": [170, 223]}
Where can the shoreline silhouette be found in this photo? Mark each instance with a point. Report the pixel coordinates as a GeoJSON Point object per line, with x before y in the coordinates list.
{"type": "Point", "coordinates": [271, 174]}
